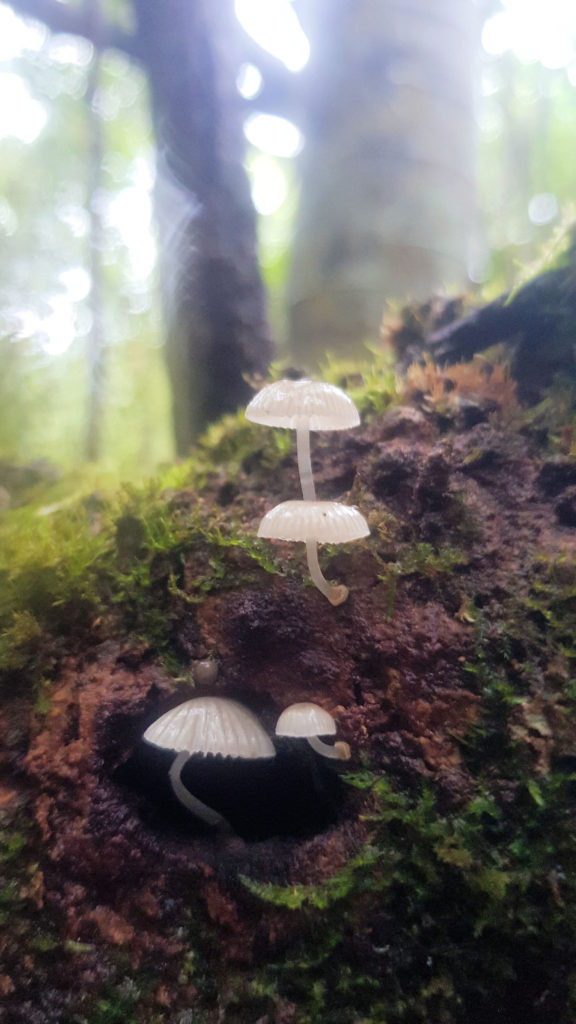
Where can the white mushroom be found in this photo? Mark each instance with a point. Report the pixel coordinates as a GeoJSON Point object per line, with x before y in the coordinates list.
{"type": "Point", "coordinates": [309, 721]}
{"type": "Point", "coordinates": [208, 725]}
{"type": "Point", "coordinates": [303, 405]}
{"type": "Point", "coordinates": [316, 522]}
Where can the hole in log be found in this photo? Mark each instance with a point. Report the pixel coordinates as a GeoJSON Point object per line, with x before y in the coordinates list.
{"type": "Point", "coordinates": [297, 794]}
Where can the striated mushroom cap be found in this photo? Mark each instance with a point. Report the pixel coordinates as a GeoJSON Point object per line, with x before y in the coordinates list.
{"type": "Point", "coordinates": [304, 720]}
{"type": "Point", "coordinates": [303, 404]}
{"type": "Point", "coordinates": [327, 522]}
{"type": "Point", "coordinates": [211, 725]}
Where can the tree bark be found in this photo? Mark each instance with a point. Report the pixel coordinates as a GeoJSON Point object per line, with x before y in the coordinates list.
{"type": "Point", "coordinates": [216, 323]}
{"type": "Point", "coordinates": [387, 197]}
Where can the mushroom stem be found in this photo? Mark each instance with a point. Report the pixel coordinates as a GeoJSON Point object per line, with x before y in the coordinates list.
{"type": "Point", "coordinates": [305, 464]}
{"type": "Point", "coordinates": [339, 752]}
{"type": "Point", "coordinates": [335, 594]}
{"type": "Point", "coordinates": [191, 803]}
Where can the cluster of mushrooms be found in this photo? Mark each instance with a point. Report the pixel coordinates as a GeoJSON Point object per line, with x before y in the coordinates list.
{"type": "Point", "coordinates": [305, 405]}
{"type": "Point", "coordinates": [221, 727]}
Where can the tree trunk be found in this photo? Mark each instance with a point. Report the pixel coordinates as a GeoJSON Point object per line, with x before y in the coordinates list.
{"type": "Point", "coordinates": [214, 297]}
{"type": "Point", "coordinates": [387, 201]}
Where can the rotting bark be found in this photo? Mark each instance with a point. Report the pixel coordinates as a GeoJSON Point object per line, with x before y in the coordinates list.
{"type": "Point", "coordinates": [537, 322]}
{"type": "Point", "coordinates": [448, 671]}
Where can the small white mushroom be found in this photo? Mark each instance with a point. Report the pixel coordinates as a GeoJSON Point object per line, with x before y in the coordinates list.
{"type": "Point", "coordinates": [204, 671]}
{"type": "Point", "coordinates": [208, 725]}
{"type": "Point", "coordinates": [303, 405]}
{"type": "Point", "coordinates": [309, 721]}
{"type": "Point", "coordinates": [316, 522]}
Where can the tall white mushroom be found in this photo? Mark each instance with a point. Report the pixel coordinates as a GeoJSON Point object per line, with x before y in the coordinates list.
{"type": "Point", "coordinates": [208, 725]}
{"type": "Point", "coordinates": [309, 721]}
{"type": "Point", "coordinates": [316, 522]}
{"type": "Point", "coordinates": [303, 405]}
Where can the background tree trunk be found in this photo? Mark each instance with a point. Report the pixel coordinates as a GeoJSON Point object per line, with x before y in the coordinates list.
{"type": "Point", "coordinates": [387, 193]}
{"type": "Point", "coordinates": [216, 327]}
{"type": "Point", "coordinates": [216, 324]}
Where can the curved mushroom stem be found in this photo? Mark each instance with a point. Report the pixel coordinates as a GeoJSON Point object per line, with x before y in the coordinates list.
{"type": "Point", "coordinates": [305, 464]}
{"type": "Point", "coordinates": [335, 594]}
{"type": "Point", "coordinates": [191, 803]}
{"type": "Point", "coordinates": [339, 752]}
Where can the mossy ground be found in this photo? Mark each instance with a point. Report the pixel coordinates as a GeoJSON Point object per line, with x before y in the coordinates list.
{"type": "Point", "coordinates": [443, 891]}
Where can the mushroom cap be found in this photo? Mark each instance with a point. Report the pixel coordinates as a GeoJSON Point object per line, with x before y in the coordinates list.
{"type": "Point", "coordinates": [303, 404]}
{"type": "Point", "coordinates": [211, 725]}
{"type": "Point", "coordinates": [328, 522]}
{"type": "Point", "coordinates": [305, 720]}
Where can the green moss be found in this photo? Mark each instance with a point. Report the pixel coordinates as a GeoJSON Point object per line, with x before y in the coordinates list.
{"type": "Point", "coordinates": [11, 845]}
{"type": "Point", "coordinates": [321, 896]}
{"type": "Point", "coordinates": [233, 439]}
{"type": "Point", "coordinates": [372, 383]}
{"type": "Point", "coordinates": [181, 557]}
{"type": "Point", "coordinates": [418, 560]}
{"type": "Point", "coordinates": [124, 569]}
{"type": "Point", "coordinates": [20, 643]}
{"type": "Point", "coordinates": [389, 930]}
{"type": "Point", "coordinates": [424, 560]}
{"type": "Point", "coordinates": [551, 602]}
{"type": "Point", "coordinates": [116, 1004]}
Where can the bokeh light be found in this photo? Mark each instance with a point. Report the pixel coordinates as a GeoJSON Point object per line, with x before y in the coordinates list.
{"type": "Point", "coordinates": [535, 30]}
{"type": "Point", "coordinates": [21, 116]}
{"type": "Point", "coordinates": [274, 25]}
{"type": "Point", "coordinates": [249, 81]}
{"type": "Point", "coordinates": [273, 135]}
{"type": "Point", "coordinates": [269, 184]}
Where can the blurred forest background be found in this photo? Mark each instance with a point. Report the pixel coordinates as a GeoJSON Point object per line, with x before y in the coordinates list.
{"type": "Point", "coordinates": [374, 151]}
